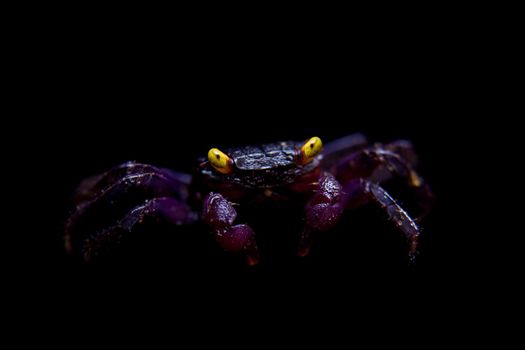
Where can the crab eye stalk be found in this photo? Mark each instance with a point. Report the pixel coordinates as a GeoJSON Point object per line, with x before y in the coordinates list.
{"type": "Point", "coordinates": [310, 150]}
{"type": "Point", "coordinates": [220, 161]}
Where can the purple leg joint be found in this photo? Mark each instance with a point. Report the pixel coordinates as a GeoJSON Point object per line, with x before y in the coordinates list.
{"type": "Point", "coordinates": [323, 211]}
{"type": "Point", "coordinates": [220, 215]}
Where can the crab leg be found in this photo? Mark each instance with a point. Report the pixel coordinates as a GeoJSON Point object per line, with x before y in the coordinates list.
{"type": "Point", "coordinates": [359, 192]}
{"type": "Point", "coordinates": [168, 209]}
{"type": "Point", "coordinates": [325, 208]}
{"type": "Point", "coordinates": [379, 164]}
{"type": "Point", "coordinates": [405, 150]}
{"type": "Point", "coordinates": [132, 185]}
{"type": "Point", "coordinates": [333, 151]}
{"type": "Point", "coordinates": [92, 186]}
{"type": "Point", "coordinates": [130, 191]}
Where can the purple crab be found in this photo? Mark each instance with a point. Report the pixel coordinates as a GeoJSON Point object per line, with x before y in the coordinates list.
{"type": "Point", "coordinates": [326, 181]}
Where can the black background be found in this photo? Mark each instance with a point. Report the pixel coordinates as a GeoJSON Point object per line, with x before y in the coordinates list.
{"type": "Point", "coordinates": [115, 96]}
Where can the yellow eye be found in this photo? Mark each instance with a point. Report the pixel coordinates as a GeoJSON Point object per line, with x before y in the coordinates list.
{"type": "Point", "coordinates": [220, 161]}
{"type": "Point", "coordinates": [310, 150]}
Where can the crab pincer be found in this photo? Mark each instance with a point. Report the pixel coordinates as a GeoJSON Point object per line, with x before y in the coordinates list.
{"type": "Point", "coordinates": [220, 215]}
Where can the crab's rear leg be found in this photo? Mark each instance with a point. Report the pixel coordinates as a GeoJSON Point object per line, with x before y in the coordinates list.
{"type": "Point", "coordinates": [220, 215]}
{"type": "Point", "coordinates": [381, 163]}
{"type": "Point", "coordinates": [334, 150]}
{"type": "Point", "coordinates": [92, 186]}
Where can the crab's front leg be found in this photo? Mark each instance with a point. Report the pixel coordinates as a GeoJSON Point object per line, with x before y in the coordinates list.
{"type": "Point", "coordinates": [360, 191]}
{"type": "Point", "coordinates": [220, 215]}
{"type": "Point", "coordinates": [111, 205]}
{"type": "Point", "coordinates": [166, 209]}
{"type": "Point", "coordinates": [325, 208]}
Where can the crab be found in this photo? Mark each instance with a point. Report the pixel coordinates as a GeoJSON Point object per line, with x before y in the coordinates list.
{"type": "Point", "coordinates": [327, 182]}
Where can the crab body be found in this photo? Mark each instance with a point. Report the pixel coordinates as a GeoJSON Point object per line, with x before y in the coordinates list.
{"type": "Point", "coordinates": [267, 171]}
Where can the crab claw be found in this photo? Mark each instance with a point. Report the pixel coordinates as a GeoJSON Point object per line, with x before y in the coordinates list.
{"type": "Point", "coordinates": [219, 214]}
